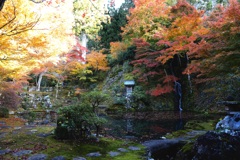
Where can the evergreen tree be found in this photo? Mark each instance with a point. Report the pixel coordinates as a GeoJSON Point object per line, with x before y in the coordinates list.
{"type": "Point", "coordinates": [111, 32]}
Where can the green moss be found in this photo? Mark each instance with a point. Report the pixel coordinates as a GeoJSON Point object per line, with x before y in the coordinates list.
{"type": "Point", "coordinates": [201, 125]}
{"type": "Point", "coordinates": [187, 147]}
{"type": "Point", "coordinates": [68, 149]}
{"type": "Point", "coordinates": [177, 133]}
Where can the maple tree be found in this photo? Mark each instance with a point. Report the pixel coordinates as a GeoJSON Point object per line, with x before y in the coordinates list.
{"type": "Point", "coordinates": [221, 56]}
{"type": "Point", "coordinates": [190, 43]}
{"type": "Point", "coordinates": [117, 47]}
{"type": "Point", "coordinates": [15, 39]}
{"type": "Point", "coordinates": [163, 57]}
{"type": "Point", "coordinates": [97, 61]}
{"type": "Point", "coordinates": [146, 18]}
{"type": "Point", "coordinates": [30, 37]}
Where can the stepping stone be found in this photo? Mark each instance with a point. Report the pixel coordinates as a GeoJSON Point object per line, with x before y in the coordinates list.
{"type": "Point", "coordinates": [79, 158]}
{"type": "Point", "coordinates": [45, 122]}
{"type": "Point", "coordinates": [5, 127]}
{"type": "Point", "coordinates": [2, 122]}
{"type": "Point", "coordinates": [17, 128]}
{"type": "Point", "coordinates": [134, 148]}
{"type": "Point", "coordinates": [15, 132]}
{"type": "Point", "coordinates": [113, 154]}
{"type": "Point", "coordinates": [58, 158]}
{"type": "Point", "coordinates": [53, 124]}
{"type": "Point", "coordinates": [122, 150]}
{"type": "Point", "coordinates": [30, 126]}
{"type": "Point", "coordinates": [5, 151]}
{"type": "Point", "coordinates": [3, 134]}
{"type": "Point", "coordinates": [38, 157]}
{"type": "Point", "coordinates": [43, 135]}
{"type": "Point", "coordinates": [33, 130]}
{"type": "Point", "coordinates": [94, 154]}
{"type": "Point", "coordinates": [21, 153]}
{"type": "Point", "coordinates": [29, 133]}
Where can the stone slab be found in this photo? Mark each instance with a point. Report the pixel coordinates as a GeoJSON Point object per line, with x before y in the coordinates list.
{"type": "Point", "coordinates": [38, 157]}
{"type": "Point", "coordinates": [22, 152]}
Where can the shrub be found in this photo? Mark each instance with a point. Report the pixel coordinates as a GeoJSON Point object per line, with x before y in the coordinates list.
{"type": "Point", "coordinates": [9, 98]}
{"type": "Point", "coordinates": [4, 113]}
{"type": "Point", "coordinates": [76, 121]}
{"type": "Point", "coordinates": [29, 116]}
{"type": "Point", "coordinates": [61, 132]}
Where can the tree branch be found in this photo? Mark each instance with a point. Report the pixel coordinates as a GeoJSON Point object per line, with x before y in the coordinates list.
{"type": "Point", "coordinates": [11, 20]}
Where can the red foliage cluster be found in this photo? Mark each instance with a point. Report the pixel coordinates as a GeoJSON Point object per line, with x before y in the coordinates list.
{"type": "Point", "coordinates": [193, 43]}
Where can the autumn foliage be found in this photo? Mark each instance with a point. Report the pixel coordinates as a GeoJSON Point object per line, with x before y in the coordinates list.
{"type": "Point", "coordinates": [176, 41]}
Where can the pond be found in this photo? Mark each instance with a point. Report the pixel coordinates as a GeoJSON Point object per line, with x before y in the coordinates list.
{"type": "Point", "coordinates": [149, 125]}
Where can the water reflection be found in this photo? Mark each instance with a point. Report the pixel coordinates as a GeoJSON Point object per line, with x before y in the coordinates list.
{"type": "Point", "coordinates": [146, 126]}
{"type": "Point", "coordinates": [141, 129]}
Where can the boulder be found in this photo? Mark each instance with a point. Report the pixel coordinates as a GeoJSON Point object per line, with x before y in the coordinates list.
{"type": "Point", "coordinates": [213, 145]}
{"type": "Point", "coordinates": [230, 124]}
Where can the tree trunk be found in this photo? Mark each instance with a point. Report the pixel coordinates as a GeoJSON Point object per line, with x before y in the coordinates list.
{"type": "Point", "coordinates": [39, 81]}
{"type": "Point", "coordinates": [84, 41]}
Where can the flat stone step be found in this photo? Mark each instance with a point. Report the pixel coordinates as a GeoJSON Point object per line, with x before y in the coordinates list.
{"type": "Point", "coordinates": [38, 157]}
{"type": "Point", "coordinates": [58, 158]}
{"type": "Point", "coordinates": [122, 150]}
{"type": "Point", "coordinates": [133, 148]}
{"type": "Point", "coordinates": [2, 123]}
{"type": "Point", "coordinates": [94, 154]}
{"type": "Point", "coordinates": [5, 127]}
{"type": "Point", "coordinates": [5, 151]}
{"type": "Point", "coordinates": [21, 153]}
{"type": "Point", "coordinates": [113, 154]}
{"type": "Point", "coordinates": [79, 158]}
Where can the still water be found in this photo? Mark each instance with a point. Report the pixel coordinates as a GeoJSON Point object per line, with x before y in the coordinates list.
{"type": "Point", "coordinates": [145, 126]}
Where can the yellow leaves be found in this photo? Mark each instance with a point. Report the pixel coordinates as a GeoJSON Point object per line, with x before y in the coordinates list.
{"type": "Point", "coordinates": [117, 47]}
{"type": "Point", "coordinates": [141, 22]}
{"type": "Point", "coordinates": [97, 61]}
{"type": "Point", "coordinates": [75, 67]}
{"type": "Point", "coordinates": [32, 34]}
{"type": "Point", "coordinates": [185, 25]}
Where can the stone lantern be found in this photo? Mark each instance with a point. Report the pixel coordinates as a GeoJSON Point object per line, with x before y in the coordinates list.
{"type": "Point", "coordinates": [129, 85]}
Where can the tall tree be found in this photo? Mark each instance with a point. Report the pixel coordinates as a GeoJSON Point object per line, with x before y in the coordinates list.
{"type": "Point", "coordinates": [31, 34]}
{"type": "Point", "coordinates": [16, 20]}
{"type": "Point", "coordinates": [146, 19]}
{"type": "Point", "coordinates": [221, 56]}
